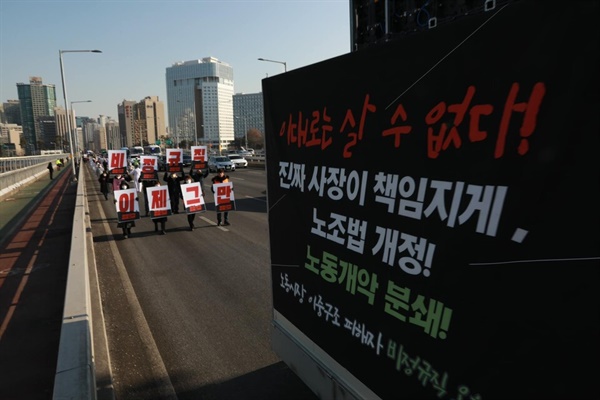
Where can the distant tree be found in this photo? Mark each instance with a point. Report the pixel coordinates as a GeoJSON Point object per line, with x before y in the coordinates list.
{"type": "Point", "coordinates": [256, 139]}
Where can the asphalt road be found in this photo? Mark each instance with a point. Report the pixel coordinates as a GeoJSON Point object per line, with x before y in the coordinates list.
{"type": "Point", "coordinates": [188, 314]}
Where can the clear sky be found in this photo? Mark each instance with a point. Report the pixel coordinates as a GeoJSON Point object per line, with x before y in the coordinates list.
{"type": "Point", "coordinates": [139, 39]}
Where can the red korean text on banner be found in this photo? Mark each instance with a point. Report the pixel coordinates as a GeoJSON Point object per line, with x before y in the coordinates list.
{"type": "Point", "coordinates": [117, 161]}
{"type": "Point", "coordinates": [174, 161]}
{"type": "Point", "coordinates": [158, 201]}
{"type": "Point", "coordinates": [193, 198]}
{"type": "Point", "coordinates": [149, 167]}
{"type": "Point", "coordinates": [224, 197]}
{"type": "Point", "coordinates": [127, 205]}
{"type": "Point", "coordinates": [199, 157]}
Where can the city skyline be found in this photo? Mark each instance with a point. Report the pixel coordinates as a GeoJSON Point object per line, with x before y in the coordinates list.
{"type": "Point", "coordinates": [139, 40]}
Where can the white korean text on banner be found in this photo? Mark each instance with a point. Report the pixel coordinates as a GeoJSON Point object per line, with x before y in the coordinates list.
{"type": "Point", "coordinates": [434, 207]}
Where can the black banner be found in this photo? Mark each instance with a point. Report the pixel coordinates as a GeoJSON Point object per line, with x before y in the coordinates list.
{"type": "Point", "coordinates": [433, 206]}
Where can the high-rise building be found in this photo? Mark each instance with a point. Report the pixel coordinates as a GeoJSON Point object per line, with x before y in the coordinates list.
{"type": "Point", "coordinates": [151, 113]}
{"type": "Point", "coordinates": [10, 140]}
{"type": "Point", "coordinates": [113, 135]}
{"type": "Point", "coordinates": [47, 133]}
{"type": "Point", "coordinates": [126, 123]}
{"type": "Point", "coordinates": [85, 129]}
{"type": "Point", "coordinates": [63, 138]}
{"type": "Point", "coordinates": [11, 112]}
{"type": "Point", "coordinates": [200, 102]}
{"type": "Point", "coordinates": [100, 137]}
{"type": "Point", "coordinates": [141, 123]}
{"type": "Point", "coordinates": [249, 114]}
{"type": "Point", "coordinates": [37, 100]}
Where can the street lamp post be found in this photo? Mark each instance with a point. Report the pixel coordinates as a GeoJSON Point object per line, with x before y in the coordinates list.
{"type": "Point", "coordinates": [274, 61]}
{"type": "Point", "coordinates": [75, 122]}
{"type": "Point", "coordinates": [64, 87]}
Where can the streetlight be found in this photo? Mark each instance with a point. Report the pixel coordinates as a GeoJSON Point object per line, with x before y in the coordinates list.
{"type": "Point", "coordinates": [64, 87]}
{"type": "Point", "coordinates": [74, 122]}
{"type": "Point", "coordinates": [278, 62]}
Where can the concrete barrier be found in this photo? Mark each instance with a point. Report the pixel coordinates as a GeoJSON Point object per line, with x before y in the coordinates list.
{"type": "Point", "coordinates": [75, 372]}
{"type": "Point", "coordinates": [256, 161]}
{"type": "Point", "coordinates": [13, 180]}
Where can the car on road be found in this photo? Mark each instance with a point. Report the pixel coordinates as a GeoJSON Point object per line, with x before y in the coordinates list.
{"type": "Point", "coordinates": [239, 161]}
{"type": "Point", "coordinates": [216, 162]}
{"type": "Point", "coordinates": [187, 160]}
{"type": "Point", "coordinates": [162, 161]}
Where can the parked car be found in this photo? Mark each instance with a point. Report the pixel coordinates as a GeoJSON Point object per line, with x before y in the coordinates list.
{"type": "Point", "coordinates": [187, 160]}
{"type": "Point", "coordinates": [239, 161]}
{"type": "Point", "coordinates": [216, 162]}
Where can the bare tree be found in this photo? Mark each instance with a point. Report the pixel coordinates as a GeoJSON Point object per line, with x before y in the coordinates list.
{"type": "Point", "coordinates": [256, 139]}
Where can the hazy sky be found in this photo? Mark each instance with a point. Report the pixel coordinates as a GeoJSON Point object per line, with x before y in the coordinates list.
{"type": "Point", "coordinates": [139, 39]}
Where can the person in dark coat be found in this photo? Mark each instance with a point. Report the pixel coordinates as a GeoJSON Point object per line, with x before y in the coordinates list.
{"type": "Point", "coordinates": [125, 226]}
{"type": "Point", "coordinates": [104, 181]}
{"type": "Point", "coordinates": [221, 178]}
{"type": "Point", "coordinates": [197, 176]}
{"type": "Point", "coordinates": [160, 220]}
{"type": "Point", "coordinates": [51, 169]}
{"type": "Point", "coordinates": [173, 183]}
{"type": "Point", "coordinates": [147, 184]}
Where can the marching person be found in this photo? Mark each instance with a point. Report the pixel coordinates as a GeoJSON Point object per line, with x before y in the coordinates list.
{"type": "Point", "coordinates": [190, 216]}
{"type": "Point", "coordinates": [173, 183]}
{"type": "Point", "coordinates": [116, 182]}
{"type": "Point", "coordinates": [136, 175]}
{"type": "Point", "coordinates": [160, 220]}
{"type": "Point", "coordinates": [125, 226]}
{"type": "Point", "coordinates": [103, 179]}
{"type": "Point", "coordinates": [147, 184]}
{"type": "Point", "coordinates": [221, 178]}
{"type": "Point", "coordinates": [196, 176]}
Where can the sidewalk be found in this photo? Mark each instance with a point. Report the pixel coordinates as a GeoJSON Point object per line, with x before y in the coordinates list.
{"type": "Point", "coordinates": [35, 240]}
{"type": "Point", "coordinates": [14, 206]}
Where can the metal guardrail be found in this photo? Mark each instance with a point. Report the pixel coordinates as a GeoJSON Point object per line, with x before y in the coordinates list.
{"type": "Point", "coordinates": [255, 161]}
{"type": "Point", "coordinates": [8, 164]}
{"type": "Point", "coordinates": [13, 180]}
